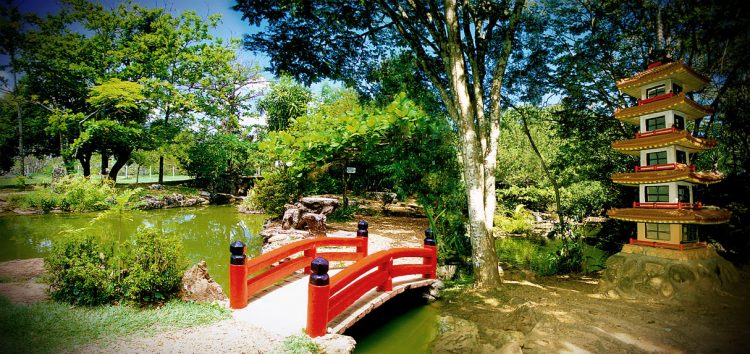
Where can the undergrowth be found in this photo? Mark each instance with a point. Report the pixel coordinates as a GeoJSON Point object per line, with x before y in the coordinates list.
{"type": "Point", "coordinates": [549, 257]}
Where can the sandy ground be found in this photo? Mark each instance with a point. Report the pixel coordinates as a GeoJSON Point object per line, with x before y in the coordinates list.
{"type": "Point", "coordinates": [546, 315]}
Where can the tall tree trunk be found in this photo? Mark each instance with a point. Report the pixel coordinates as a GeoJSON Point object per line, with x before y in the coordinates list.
{"type": "Point", "coordinates": [122, 158]}
{"type": "Point", "coordinates": [472, 157]}
{"type": "Point", "coordinates": [161, 157]}
{"type": "Point", "coordinates": [84, 157]}
{"type": "Point", "coordinates": [21, 152]}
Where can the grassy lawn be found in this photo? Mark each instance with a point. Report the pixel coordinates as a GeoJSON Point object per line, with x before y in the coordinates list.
{"type": "Point", "coordinates": [53, 327]}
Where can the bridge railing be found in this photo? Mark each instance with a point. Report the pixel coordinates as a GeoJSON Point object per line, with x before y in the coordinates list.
{"type": "Point", "coordinates": [329, 297]}
{"type": "Point", "coordinates": [247, 277]}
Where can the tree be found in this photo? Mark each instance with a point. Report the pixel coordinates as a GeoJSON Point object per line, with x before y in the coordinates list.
{"type": "Point", "coordinates": [462, 47]}
{"type": "Point", "coordinates": [285, 101]}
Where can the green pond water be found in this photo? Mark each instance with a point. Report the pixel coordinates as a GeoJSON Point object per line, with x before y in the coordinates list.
{"type": "Point", "coordinates": [206, 232]}
{"type": "Point", "coordinates": [403, 325]}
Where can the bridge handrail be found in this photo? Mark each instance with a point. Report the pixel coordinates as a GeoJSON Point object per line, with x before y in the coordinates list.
{"type": "Point", "coordinates": [247, 277]}
{"type": "Point", "coordinates": [329, 297]}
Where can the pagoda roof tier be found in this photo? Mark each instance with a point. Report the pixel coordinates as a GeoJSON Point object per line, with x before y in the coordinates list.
{"type": "Point", "coordinates": [680, 138]}
{"type": "Point", "coordinates": [687, 77]}
{"type": "Point", "coordinates": [681, 172]}
{"type": "Point", "coordinates": [705, 215]}
{"type": "Point", "coordinates": [677, 102]}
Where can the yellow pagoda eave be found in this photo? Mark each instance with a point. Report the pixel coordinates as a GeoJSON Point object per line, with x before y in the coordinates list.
{"type": "Point", "coordinates": [680, 138]}
{"type": "Point", "coordinates": [689, 79]}
{"type": "Point", "coordinates": [679, 102]}
{"type": "Point", "coordinates": [681, 173]}
{"type": "Point", "coordinates": [703, 216]}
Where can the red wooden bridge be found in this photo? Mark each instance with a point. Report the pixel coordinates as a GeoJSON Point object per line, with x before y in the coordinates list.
{"type": "Point", "coordinates": [269, 290]}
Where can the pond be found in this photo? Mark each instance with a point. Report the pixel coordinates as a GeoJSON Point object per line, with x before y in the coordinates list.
{"type": "Point", "coordinates": [206, 232]}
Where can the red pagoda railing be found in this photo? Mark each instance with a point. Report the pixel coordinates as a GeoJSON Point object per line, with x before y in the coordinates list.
{"type": "Point", "coordinates": [657, 132]}
{"type": "Point", "coordinates": [662, 167]}
{"type": "Point", "coordinates": [664, 205]}
{"type": "Point", "coordinates": [655, 98]}
{"type": "Point", "coordinates": [681, 246]}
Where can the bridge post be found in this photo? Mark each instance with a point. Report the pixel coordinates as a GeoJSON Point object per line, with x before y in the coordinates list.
{"type": "Point", "coordinates": [312, 253]}
{"type": "Point", "coordinates": [386, 267]}
{"type": "Point", "coordinates": [431, 244]}
{"type": "Point", "coordinates": [318, 293]}
{"type": "Point", "coordinates": [237, 276]}
{"type": "Point", "coordinates": [363, 233]}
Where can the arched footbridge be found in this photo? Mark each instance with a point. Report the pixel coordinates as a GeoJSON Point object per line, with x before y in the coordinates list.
{"type": "Point", "coordinates": [296, 286]}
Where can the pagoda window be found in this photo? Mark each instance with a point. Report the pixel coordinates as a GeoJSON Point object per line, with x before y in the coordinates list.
{"type": "Point", "coordinates": [657, 231]}
{"type": "Point", "coordinates": [689, 233]}
{"type": "Point", "coordinates": [656, 123]}
{"type": "Point", "coordinates": [681, 156]}
{"type": "Point", "coordinates": [657, 194]}
{"type": "Point", "coordinates": [655, 91]}
{"type": "Point", "coordinates": [656, 158]}
{"type": "Point", "coordinates": [676, 88]}
{"type": "Point", "coordinates": [679, 122]}
{"type": "Point", "coordinates": [683, 194]}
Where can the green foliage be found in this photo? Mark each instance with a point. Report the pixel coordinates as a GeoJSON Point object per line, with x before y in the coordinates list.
{"type": "Point", "coordinates": [275, 190]}
{"type": "Point", "coordinates": [71, 193]}
{"type": "Point", "coordinates": [217, 161]}
{"type": "Point", "coordinates": [584, 198]}
{"type": "Point", "coordinates": [21, 183]}
{"type": "Point", "coordinates": [285, 101]}
{"type": "Point", "coordinates": [546, 257]}
{"type": "Point", "coordinates": [299, 344]}
{"type": "Point", "coordinates": [153, 266]}
{"type": "Point", "coordinates": [54, 327]}
{"type": "Point", "coordinates": [79, 271]}
{"type": "Point", "coordinates": [84, 271]}
{"type": "Point", "coordinates": [343, 214]}
{"type": "Point", "coordinates": [516, 221]}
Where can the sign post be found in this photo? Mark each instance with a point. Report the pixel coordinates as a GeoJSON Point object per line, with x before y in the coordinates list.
{"type": "Point", "coordinates": [349, 171]}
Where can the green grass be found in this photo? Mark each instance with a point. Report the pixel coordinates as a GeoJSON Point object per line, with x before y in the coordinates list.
{"type": "Point", "coordinates": [53, 327]}
{"type": "Point", "coordinates": [298, 344]}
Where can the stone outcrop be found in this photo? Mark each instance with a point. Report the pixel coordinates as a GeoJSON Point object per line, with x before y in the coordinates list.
{"type": "Point", "coordinates": [198, 286]}
{"type": "Point", "coordinates": [456, 335]}
{"type": "Point", "coordinates": [335, 344]}
{"type": "Point", "coordinates": [310, 213]}
{"type": "Point", "coordinates": [171, 201]}
{"type": "Point", "coordinates": [640, 272]}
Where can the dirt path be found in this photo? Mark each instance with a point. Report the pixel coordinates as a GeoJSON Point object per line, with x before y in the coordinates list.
{"type": "Point", "coordinates": [566, 315]}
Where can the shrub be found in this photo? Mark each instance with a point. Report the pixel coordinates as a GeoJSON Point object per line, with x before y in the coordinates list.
{"type": "Point", "coordinates": [343, 214]}
{"type": "Point", "coordinates": [517, 221]}
{"type": "Point", "coordinates": [79, 271]}
{"type": "Point", "coordinates": [299, 344]}
{"type": "Point", "coordinates": [275, 190]}
{"type": "Point", "coordinates": [153, 267]}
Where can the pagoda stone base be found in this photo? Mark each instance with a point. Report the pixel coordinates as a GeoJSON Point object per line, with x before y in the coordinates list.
{"type": "Point", "coordinates": [641, 272]}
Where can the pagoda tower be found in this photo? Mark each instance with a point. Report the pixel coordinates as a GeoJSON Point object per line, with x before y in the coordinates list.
{"type": "Point", "coordinates": [667, 213]}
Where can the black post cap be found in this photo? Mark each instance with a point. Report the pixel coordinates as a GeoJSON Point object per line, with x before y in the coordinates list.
{"type": "Point", "coordinates": [319, 267]}
{"type": "Point", "coordinates": [237, 248]}
{"type": "Point", "coordinates": [362, 225]}
{"type": "Point", "coordinates": [429, 238]}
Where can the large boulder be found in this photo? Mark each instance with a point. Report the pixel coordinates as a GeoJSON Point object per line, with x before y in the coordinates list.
{"type": "Point", "coordinates": [319, 205]}
{"type": "Point", "coordinates": [316, 224]}
{"type": "Point", "coordinates": [198, 286]}
{"type": "Point", "coordinates": [640, 272]}
{"type": "Point", "coordinates": [456, 335]}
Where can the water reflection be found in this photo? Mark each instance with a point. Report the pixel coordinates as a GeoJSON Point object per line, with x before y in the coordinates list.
{"type": "Point", "coordinates": [206, 232]}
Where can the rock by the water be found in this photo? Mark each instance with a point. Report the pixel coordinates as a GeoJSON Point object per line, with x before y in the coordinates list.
{"type": "Point", "coordinates": [335, 344]}
{"type": "Point", "coordinates": [316, 224]}
{"type": "Point", "coordinates": [156, 187]}
{"type": "Point", "coordinates": [320, 205]}
{"type": "Point", "coordinates": [456, 335]}
{"type": "Point", "coordinates": [292, 218]}
{"type": "Point", "coordinates": [640, 272]}
{"type": "Point", "coordinates": [173, 200]}
{"type": "Point", "coordinates": [198, 286]}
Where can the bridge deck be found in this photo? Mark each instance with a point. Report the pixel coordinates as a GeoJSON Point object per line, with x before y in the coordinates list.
{"type": "Point", "coordinates": [282, 309]}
